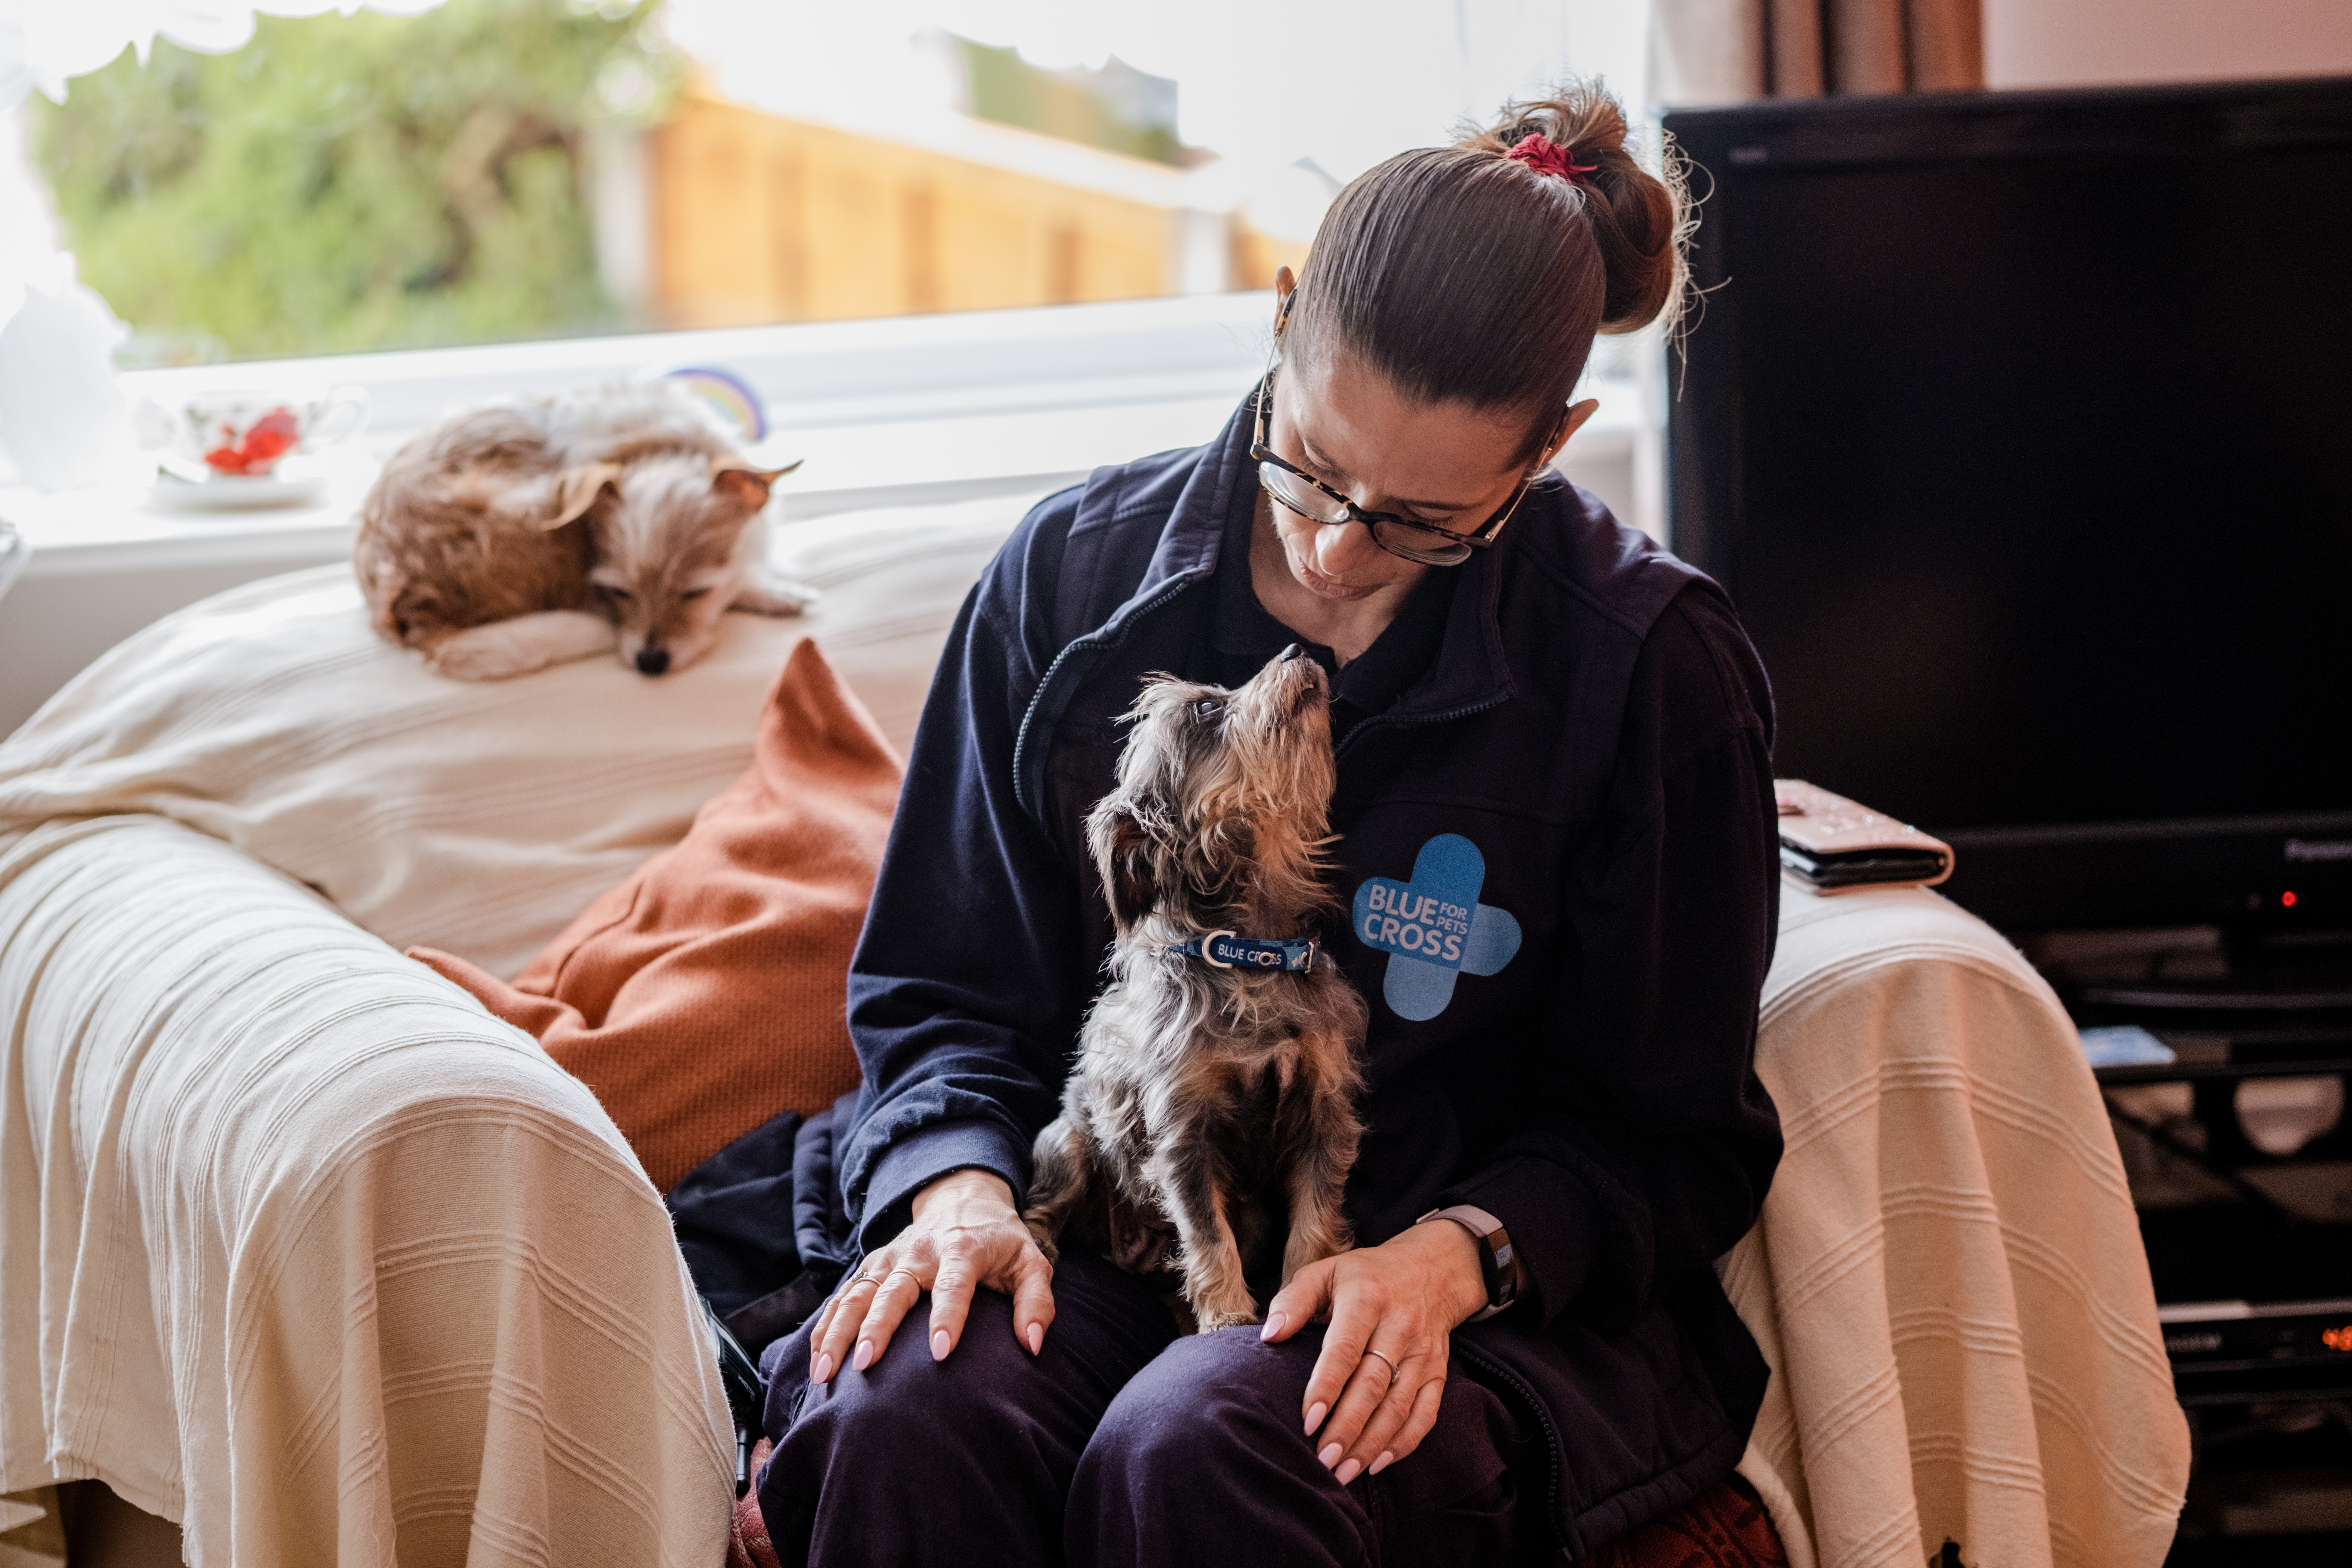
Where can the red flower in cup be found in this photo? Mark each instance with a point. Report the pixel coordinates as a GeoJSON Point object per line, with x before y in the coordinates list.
{"type": "Point", "coordinates": [268, 439]}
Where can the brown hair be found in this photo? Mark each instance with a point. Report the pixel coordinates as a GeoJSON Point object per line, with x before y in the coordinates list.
{"type": "Point", "coordinates": [1466, 275]}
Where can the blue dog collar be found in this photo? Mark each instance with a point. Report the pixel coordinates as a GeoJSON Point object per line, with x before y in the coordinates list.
{"type": "Point", "coordinates": [1223, 950]}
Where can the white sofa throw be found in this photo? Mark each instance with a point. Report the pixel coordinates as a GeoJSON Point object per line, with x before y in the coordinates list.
{"type": "Point", "coordinates": [476, 818]}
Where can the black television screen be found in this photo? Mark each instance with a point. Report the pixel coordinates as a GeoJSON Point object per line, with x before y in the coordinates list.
{"type": "Point", "coordinates": [2019, 427]}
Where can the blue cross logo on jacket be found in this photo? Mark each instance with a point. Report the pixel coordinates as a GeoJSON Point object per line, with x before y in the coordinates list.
{"type": "Point", "coordinates": [1433, 928]}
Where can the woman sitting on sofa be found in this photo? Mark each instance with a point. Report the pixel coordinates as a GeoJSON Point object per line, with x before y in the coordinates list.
{"type": "Point", "coordinates": [1526, 1351]}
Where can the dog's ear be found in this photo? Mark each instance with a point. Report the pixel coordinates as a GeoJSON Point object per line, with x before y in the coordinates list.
{"type": "Point", "coordinates": [1123, 854]}
{"type": "Point", "coordinates": [1217, 865]}
{"type": "Point", "coordinates": [1227, 852]}
{"type": "Point", "coordinates": [747, 486]}
{"type": "Point", "coordinates": [576, 491]}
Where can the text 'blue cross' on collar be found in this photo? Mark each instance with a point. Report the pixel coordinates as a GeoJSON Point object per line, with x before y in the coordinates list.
{"type": "Point", "coordinates": [1433, 928]}
{"type": "Point", "coordinates": [1223, 950]}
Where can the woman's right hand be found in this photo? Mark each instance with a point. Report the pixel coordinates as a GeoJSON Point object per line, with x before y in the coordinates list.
{"type": "Point", "coordinates": [966, 1235]}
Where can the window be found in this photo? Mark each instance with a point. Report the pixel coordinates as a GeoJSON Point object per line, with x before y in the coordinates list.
{"type": "Point", "coordinates": [495, 170]}
{"type": "Point", "coordinates": [501, 186]}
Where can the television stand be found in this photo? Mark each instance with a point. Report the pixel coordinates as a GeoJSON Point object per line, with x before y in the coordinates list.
{"type": "Point", "coordinates": [2239, 1151]}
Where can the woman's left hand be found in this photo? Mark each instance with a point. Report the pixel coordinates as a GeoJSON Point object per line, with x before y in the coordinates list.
{"type": "Point", "coordinates": [1401, 1299]}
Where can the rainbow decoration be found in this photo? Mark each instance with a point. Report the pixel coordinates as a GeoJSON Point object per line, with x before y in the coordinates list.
{"type": "Point", "coordinates": [726, 395]}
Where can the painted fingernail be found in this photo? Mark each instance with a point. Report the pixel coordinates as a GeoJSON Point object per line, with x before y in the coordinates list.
{"type": "Point", "coordinates": [1273, 1327]}
{"type": "Point", "coordinates": [1036, 1339]}
{"type": "Point", "coordinates": [939, 1344]}
{"type": "Point", "coordinates": [864, 1356]}
{"type": "Point", "coordinates": [1315, 1416]}
{"type": "Point", "coordinates": [1346, 1472]}
{"type": "Point", "coordinates": [1383, 1463]}
{"type": "Point", "coordinates": [823, 1367]}
{"type": "Point", "coordinates": [1330, 1455]}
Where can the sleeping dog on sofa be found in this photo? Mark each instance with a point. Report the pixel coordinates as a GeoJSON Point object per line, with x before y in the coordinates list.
{"type": "Point", "coordinates": [1216, 1077]}
{"type": "Point", "coordinates": [521, 535]}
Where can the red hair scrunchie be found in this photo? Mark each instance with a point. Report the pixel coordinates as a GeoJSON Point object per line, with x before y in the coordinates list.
{"type": "Point", "coordinates": [1545, 156]}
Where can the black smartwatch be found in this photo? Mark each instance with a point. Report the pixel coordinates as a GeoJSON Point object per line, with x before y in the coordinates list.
{"type": "Point", "coordinates": [1496, 1258]}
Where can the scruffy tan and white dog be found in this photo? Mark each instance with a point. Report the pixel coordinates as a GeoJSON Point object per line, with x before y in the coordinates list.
{"type": "Point", "coordinates": [1216, 1076]}
{"type": "Point", "coordinates": [521, 535]}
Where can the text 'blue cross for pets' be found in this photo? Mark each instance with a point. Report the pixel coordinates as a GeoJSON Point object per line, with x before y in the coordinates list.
{"type": "Point", "coordinates": [1433, 928]}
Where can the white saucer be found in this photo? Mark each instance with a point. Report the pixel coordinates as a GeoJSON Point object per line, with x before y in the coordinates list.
{"type": "Point", "coordinates": [237, 492]}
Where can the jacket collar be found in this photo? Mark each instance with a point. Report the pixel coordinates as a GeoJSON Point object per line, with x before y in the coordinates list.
{"type": "Point", "coordinates": [1590, 565]}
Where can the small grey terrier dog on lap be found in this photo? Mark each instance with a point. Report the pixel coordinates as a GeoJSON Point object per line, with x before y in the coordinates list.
{"type": "Point", "coordinates": [1216, 1077]}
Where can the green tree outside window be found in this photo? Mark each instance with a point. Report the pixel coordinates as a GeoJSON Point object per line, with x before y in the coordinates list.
{"type": "Point", "coordinates": [352, 182]}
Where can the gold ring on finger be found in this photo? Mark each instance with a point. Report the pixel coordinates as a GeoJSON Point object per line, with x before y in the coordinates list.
{"type": "Point", "coordinates": [1384, 1361]}
{"type": "Point", "coordinates": [908, 1272]}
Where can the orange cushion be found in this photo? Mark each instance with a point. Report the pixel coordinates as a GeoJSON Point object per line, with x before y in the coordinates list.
{"type": "Point", "coordinates": [709, 991]}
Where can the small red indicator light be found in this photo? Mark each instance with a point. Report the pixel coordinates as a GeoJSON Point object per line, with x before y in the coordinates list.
{"type": "Point", "coordinates": [2287, 900]}
{"type": "Point", "coordinates": [2336, 1339]}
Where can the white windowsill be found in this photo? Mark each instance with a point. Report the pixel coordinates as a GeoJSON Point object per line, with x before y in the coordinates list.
{"type": "Point", "coordinates": [886, 413]}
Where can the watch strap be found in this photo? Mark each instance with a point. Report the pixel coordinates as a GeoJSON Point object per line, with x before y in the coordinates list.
{"type": "Point", "coordinates": [1496, 1257]}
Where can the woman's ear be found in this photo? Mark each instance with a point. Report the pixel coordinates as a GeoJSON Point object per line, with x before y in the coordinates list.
{"type": "Point", "coordinates": [1577, 413]}
{"type": "Point", "coordinates": [1285, 281]}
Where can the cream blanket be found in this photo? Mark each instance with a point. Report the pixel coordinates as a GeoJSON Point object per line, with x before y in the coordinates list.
{"type": "Point", "coordinates": [478, 819]}
{"type": "Point", "coordinates": [303, 1249]}
{"type": "Point", "coordinates": [234, 1130]}
{"type": "Point", "coordinates": [298, 1246]}
{"type": "Point", "coordinates": [1947, 1277]}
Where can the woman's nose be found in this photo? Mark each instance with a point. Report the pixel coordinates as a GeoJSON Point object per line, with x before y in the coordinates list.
{"type": "Point", "coordinates": [1344, 547]}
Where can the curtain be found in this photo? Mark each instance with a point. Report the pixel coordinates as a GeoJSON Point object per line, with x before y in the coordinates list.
{"type": "Point", "coordinates": [1719, 51]}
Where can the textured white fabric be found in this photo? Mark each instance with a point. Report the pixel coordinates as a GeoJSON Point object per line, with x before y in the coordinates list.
{"type": "Point", "coordinates": [1947, 1276]}
{"type": "Point", "coordinates": [287, 1213]}
{"type": "Point", "coordinates": [232, 1127]}
{"type": "Point", "coordinates": [475, 818]}
{"type": "Point", "coordinates": [297, 1245]}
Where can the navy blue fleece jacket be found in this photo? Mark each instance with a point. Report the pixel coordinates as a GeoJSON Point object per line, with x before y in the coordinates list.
{"type": "Point", "coordinates": [1558, 860]}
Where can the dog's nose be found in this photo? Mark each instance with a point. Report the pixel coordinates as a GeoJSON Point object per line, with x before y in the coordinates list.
{"type": "Point", "coordinates": [652, 660]}
{"type": "Point", "coordinates": [1287, 655]}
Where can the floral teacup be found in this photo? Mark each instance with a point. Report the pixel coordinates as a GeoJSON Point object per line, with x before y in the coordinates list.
{"type": "Point", "coordinates": [245, 431]}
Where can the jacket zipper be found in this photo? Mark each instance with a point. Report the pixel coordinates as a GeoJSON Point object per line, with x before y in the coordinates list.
{"type": "Point", "coordinates": [1462, 712]}
{"type": "Point", "coordinates": [1551, 1432]}
{"type": "Point", "coordinates": [1090, 642]}
{"type": "Point", "coordinates": [1468, 1351]}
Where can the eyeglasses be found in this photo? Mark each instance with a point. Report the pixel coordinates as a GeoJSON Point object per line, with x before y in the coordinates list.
{"type": "Point", "coordinates": [1317, 503]}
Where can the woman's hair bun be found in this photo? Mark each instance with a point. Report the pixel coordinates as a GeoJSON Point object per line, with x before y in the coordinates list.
{"type": "Point", "coordinates": [1462, 274]}
{"type": "Point", "coordinates": [1636, 218]}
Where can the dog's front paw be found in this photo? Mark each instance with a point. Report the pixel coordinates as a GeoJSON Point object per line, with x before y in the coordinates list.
{"type": "Point", "coordinates": [1224, 1304]}
{"type": "Point", "coordinates": [503, 649]}
{"type": "Point", "coordinates": [1041, 1234]}
{"type": "Point", "coordinates": [774, 596]}
{"type": "Point", "coordinates": [1312, 1247]}
{"type": "Point", "coordinates": [1210, 1320]}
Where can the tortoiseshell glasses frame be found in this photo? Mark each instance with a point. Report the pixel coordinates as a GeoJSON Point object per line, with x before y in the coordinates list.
{"type": "Point", "coordinates": [1404, 537]}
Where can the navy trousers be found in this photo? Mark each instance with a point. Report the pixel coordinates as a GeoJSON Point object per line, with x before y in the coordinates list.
{"type": "Point", "coordinates": [1122, 1444]}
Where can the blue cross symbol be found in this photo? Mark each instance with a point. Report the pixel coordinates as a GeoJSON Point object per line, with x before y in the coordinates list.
{"type": "Point", "coordinates": [1434, 927]}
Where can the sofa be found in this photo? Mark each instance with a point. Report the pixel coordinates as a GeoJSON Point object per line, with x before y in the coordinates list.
{"type": "Point", "coordinates": [305, 1252]}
